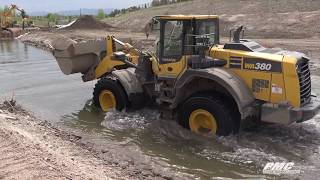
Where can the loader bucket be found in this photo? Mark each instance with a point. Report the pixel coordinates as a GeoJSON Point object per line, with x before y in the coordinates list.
{"type": "Point", "coordinates": [77, 57]}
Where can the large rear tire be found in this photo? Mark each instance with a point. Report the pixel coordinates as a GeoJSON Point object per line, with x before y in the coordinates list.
{"type": "Point", "coordinates": [108, 94]}
{"type": "Point", "coordinates": [208, 115]}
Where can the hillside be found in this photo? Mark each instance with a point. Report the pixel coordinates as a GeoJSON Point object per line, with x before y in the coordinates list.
{"type": "Point", "coordinates": [262, 18]}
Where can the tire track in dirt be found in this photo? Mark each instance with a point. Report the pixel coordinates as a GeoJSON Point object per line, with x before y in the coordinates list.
{"type": "Point", "coordinates": [31, 151]}
{"type": "Point", "coordinates": [35, 149]}
{"type": "Point", "coordinates": [18, 161]}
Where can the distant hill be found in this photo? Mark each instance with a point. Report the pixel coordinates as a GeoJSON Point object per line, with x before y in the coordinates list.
{"type": "Point", "coordinates": [72, 12]}
{"type": "Point", "coordinates": [37, 13]}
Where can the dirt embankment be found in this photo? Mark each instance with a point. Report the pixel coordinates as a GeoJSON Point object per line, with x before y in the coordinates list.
{"type": "Point", "coordinates": [272, 19]}
{"type": "Point", "coordinates": [34, 149]}
{"type": "Point", "coordinates": [262, 18]}
{"type": "Point", "coordinates": [85, 27]}
{"type": "Point", "coordinates": [31, 149]}
{"type": "Point", "coordinates": [89, 22]}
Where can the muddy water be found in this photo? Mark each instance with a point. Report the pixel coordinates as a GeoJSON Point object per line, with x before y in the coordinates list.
{"type": "Point", "coordinates": [34, 79]}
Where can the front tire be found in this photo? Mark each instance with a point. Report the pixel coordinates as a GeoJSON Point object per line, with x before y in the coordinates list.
{"type": "Point", "coordinates": [108, 94]}
{"type": "Point", "coordinates": [208, 115]}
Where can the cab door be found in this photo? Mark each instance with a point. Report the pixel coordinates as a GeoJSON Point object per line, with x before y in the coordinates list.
{"type": "Point", "coordinates": [170, 49]}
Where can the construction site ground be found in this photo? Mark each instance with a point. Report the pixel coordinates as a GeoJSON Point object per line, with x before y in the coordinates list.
{"type": "Point", "coordinates": [116, 160]}
{"type": "Point", "coordinates": [36, 147]}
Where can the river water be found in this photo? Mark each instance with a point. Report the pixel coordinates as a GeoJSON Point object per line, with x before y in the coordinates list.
{"type": "Point", "coordinates": [33, 77]}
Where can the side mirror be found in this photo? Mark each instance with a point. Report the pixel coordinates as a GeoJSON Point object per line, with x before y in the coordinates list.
{"type": "Point", "coordinates": [151, 26]}
{"type": "Point", "coordinates": [155, 24]}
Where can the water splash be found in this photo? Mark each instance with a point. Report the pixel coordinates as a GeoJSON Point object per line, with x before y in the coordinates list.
{"type": "Point", "coordinates": [129, 120]}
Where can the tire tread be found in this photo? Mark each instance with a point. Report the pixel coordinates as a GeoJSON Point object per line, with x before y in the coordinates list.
{"type": "Point", "coordinates": [113, 85]}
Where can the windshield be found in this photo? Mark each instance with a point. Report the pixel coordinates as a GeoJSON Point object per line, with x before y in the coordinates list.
{"type": "Point", "coordinates": [173, 34]}
{"type": "Point", "coordinates": [207, 29]}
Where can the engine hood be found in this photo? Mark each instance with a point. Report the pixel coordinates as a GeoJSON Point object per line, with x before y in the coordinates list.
{"type": "Point", "coordinates": [252, 46]}
{"type": "Point", "coordinates": [295, 54]}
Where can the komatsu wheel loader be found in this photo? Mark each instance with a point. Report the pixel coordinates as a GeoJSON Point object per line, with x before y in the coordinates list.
{"type": "Point", "coordinates": [206, 86]}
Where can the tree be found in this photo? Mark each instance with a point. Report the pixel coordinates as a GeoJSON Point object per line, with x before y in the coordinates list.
{"type": "Point", "coordinates": [7, 19]}
{"type": "Point", "coordinates": [114, 12]}
{"type": "Point", "coordinates": [165, 2]}
{"type": "Point", "coordinates": [52, 18]}
{"type": "Point", "coordinates": [69, 19]}
{"type": "Point", "coordinates": [101, 14]}
{"type": "Point", "coordinates": [6, 8]}
{"type": "Point", "coordinates": [1, 11]}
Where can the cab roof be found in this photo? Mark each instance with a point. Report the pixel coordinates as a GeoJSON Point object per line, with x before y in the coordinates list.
{"type": "Point", "coordinates": [186, 17]}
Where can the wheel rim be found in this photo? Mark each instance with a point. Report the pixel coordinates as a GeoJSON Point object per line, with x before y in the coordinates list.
{"type": "Point", "coordinates": [107, 100]}
{"type": "Point", "coordinates": [203, 122]}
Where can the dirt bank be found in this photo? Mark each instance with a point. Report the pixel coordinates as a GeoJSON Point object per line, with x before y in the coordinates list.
{"type": "Point", "coordinates": [88, 22]}
{"type": "Point", "coordinates": [34, 149]}
{"type": "Point", "coordinates": [262, 19]}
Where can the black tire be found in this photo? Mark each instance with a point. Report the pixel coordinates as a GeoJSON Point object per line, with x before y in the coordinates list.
{"type": "Point", "coordinates": [108, 83]}
{"type": "Point", "coordinates": [219, 108]}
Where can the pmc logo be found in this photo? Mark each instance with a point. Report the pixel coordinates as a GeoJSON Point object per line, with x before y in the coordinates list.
{"type": "Point", "coordinates": [277, 168]}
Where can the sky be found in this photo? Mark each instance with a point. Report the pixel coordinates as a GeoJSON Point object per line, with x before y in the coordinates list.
{"type": "Point", "coordinates": [61, 5]}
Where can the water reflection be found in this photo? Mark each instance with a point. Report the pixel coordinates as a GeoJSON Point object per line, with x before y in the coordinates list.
{"type": "Point", "coordinates": [26, 50]}
{"type": "Point", "coordinates": [6, 46]}
{"type": "Point", "coordinates": [89, 117]}
{"type": "Point", "coordinates": [13, 51]}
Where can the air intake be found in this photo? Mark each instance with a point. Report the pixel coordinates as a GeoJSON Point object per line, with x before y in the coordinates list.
{"type": "Point", "coordinates": [304, 80]}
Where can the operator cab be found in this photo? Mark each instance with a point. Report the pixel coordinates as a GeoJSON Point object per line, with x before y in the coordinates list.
{"type": "Point", "coordinates": [182, 35]}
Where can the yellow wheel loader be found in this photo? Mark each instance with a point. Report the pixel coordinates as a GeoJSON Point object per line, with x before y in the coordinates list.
{"type": "Point", "coordinates": [206, 86]}
{"type": "Point", "coordinates": [6, 21]}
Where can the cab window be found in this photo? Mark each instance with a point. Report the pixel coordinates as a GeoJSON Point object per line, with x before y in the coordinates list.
{"type": "Point", "coordinates": [208, 29]}
{"type": "Point", "coordinates": [173, 36]}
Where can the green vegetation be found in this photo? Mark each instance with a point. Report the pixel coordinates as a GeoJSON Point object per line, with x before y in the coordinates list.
{"type": "Point", "coordinates": [101, 14]}
{"type": "Point", "coordinates": [165, 2]}
{"type": "Point", "coordinates": [15, 17]}
{"type": "Point", "coordinates": [154, 3]}
{"type": "Point", "coordinates": [126, 10]}
{"type": "Point", "coordinates": [51, 20]}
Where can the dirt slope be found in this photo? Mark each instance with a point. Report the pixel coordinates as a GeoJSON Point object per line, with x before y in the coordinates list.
{"type": "Point", "coordinates": [263, 18]}
{"type": "Point", "coordinates": [34, 149]}
{"type": "Point", "coordinates": [30, 149]}
{"type": "Point", "coordinates": [88, 22]}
